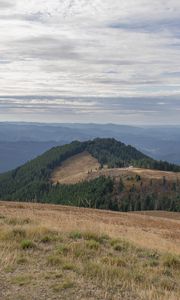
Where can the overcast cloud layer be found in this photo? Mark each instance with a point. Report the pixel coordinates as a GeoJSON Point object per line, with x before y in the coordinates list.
{"type": "Point", "coordinates": [90, 61]}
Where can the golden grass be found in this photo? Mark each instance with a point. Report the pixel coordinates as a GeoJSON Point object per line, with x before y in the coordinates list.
{"type": "Point", "coordinates": [56, 252]}
{"type": "Point", "coordinates": [84, 166]}
{"type": "Point", "coordinates": [75, 169]}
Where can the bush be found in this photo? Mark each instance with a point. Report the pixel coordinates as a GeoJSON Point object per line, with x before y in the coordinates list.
{"type": "Point", "coordinates": [54, 260]}
{"type": "Point", "coordinates": [27, 244]}
{"type": "Point", "coordinates": [171, 261]}
{"type": "Point", "coordinates": [75, 235]}
{"type": "Point", "coordinates": [93, 245]}
{"type": "Point", "coordinates": [94, 236]}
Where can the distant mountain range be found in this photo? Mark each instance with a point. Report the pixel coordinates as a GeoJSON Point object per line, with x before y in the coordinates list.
{"type": "Point", "coordinates": [20, 142]}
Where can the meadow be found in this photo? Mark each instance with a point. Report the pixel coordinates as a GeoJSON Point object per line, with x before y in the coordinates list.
{"type": "Point", "coordinates": [59, 252]}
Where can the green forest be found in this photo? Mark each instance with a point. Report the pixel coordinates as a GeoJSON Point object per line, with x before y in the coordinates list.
{"type": "Point", "coordinates": [31, 181]}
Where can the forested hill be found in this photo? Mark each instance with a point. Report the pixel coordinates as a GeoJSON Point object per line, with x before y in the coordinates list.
{"type": "Point", "coordinates": [32, 180]}
{"type": "Point", "coordinates": [115, 154]}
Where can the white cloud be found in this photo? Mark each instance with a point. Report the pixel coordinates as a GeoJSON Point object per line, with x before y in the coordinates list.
{"type": "Point", "coordinates": [80, 48]}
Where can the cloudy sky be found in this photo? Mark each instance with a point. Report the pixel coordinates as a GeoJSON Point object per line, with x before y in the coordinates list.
{"type": "Point", "coordinates": [90, 61]}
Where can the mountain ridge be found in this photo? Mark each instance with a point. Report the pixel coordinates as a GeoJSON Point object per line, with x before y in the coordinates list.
{"type": "Point", "coordinates": [31, 182]}
{"type": "Point", "coordinates": [157, 142]}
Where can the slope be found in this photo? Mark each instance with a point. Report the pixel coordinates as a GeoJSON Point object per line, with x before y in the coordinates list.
{"type": "Point", "coordinates": [58, 252]}
{"type": "Point", "coordinates": [31, 182]}
{"type": "Point", "coordinates": [75, 169]}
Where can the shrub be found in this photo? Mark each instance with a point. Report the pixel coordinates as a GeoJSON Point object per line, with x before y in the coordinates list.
{"type": "Point", "coordinates": [121, 245]}
{"type": "Point", "coordinates": [69, 267]}
{"type": "Point", "coordinates": [92, 245]}
{"type": "Point", "coordinates": [63, 249]}
{"type": "Point", "coordinates": [54, 260]}
{"type": "Point", "coordinates": [171, 261]}
{"type": "Point", "coordinates": [75, 235]}
{"type": "Point", "coordinates": [22, 280]}
{"type": "Point", "coordinates": [27, 244]}
{"type": "Point", "coordinates": [94, 236]}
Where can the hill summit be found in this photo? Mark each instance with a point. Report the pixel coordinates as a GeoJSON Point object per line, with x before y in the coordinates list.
{"type": "Point", "coordinates": [35, 181]}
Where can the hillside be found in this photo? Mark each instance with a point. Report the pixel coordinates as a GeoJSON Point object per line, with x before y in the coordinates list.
{"type": "Point", "coordinates": [98, 160]}
{"type": "Point", "coordinates": [75, 169]}
{"type": "Point", "coordinates": [59, 252]}
{"type": "Point", "coordinates": [84, 167]}
{"type": "Point", "coordinates": [21, 142]}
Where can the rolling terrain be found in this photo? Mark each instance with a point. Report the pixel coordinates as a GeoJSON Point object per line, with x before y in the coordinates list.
{"type": "Point", "coordinates": [64, 252]}
{"type": "Point", "coordinates": [102, 173]}
{"type": "Point", "coordinates": [84, 167]}
{"type": "Point", "coordinates": [21, 142]}
{"type": "Point", "coordinates": [60, 252]}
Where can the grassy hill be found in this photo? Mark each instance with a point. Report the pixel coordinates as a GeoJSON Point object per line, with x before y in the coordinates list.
{"type": "Point", "coordinates": [75, 169]}
{"type": "Point", "coordinates": [84, 167]}
{"type": "Point", "coordinates": [58, 252]}
{"type": "Point", "coordinates": [33, 181]}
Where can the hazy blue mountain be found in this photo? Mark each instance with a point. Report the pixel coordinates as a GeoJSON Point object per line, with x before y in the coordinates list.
{"type": "Point", "coordinates": [13, 154]}
{"type": "Point", "coordinates": [20, 142]}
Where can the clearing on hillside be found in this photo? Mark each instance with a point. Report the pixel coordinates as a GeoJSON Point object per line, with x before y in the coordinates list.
{"type": "Point", "coordinates": [84, 167]}
{"type": "Point", "coordinates": [68, 253]}
{"type": "Point", "coordinates": [75, 169]}
{"type": "Point", "coordinates": [144, 173]}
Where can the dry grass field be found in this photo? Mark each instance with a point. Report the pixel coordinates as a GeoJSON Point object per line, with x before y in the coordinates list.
{"type": "Point", "coordinates": [75, 169]}
{"type": "Point", "coordinates": [58, 252]}
{"type": "Point", "coordinates": [83, 167]}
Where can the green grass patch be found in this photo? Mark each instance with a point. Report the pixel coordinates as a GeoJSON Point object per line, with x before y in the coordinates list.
{"type": "Point", "coordinates": [171, 261]}
{"type": "Point", "coordinates": [68, 266]}
{"type": "Point", "coordinates": [66, 284]}
{"type": "Point", "coordinates": [22, 280]}
{"type": "Point", "coordinates": [46, 239]}
{"type": "Point", "coordinates": [27, 244]}
{"type": "Point", "coordinates": [75, 235]}
{"type": "Point", "coordinates": [63, 249]}
{"type": "Point", "coordinates": [54, 260]}
{"type": "Point", "coordinates": [92, 244]}
{"type": "Point", "coordinates": [94, 236]}
{"type": "Point", "coordinates": [121, 245]}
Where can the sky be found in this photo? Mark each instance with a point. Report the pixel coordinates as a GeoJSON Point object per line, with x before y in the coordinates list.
{"type": "Point", "coordinates": [99, 61]}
